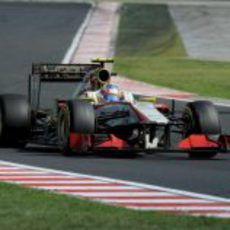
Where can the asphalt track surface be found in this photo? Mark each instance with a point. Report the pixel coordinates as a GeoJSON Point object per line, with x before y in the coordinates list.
{"type": "Point", "coordinates": [172, 170]}
{"type": "Point", "coordinates": [31, 33]}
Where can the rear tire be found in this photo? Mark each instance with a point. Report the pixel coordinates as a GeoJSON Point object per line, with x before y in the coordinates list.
{"type": "Point", "coordinates": [15, 119]}
{"type": "Point", "coordinates": [201, 117]}
{"type": "Point", "coordinates": [75, 117]}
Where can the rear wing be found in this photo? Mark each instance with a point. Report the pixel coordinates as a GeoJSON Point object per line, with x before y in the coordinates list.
{"type": "Point", "coordinates": [57, 73]}
{"type": "Point", "coordinates": [63, 72]}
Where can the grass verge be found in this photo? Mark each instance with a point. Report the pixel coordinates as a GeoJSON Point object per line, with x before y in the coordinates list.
{"type": "Point", "coordinates": [23, 208]}
{"type": "Point", "coordinates": [149, 49]}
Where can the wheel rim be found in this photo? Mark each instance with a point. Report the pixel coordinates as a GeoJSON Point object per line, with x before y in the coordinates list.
{"type": "Point", "coordinates": [189, 123]}
{"type": "Point", "coordinates": [63, 130]}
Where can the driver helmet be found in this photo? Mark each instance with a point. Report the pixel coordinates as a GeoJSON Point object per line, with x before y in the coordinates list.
{"type": "Point", "coordinates": [110, 93]}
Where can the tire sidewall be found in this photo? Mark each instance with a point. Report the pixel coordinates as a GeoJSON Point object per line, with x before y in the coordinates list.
{"type": "Point", "coordinates": [190, 122]}
{"type": "Point", "coordinates": [198, 120]}
{"type": "Point", "coordinates": [201, 117]}
{"type": "Point", "coordinates": [64, 129]}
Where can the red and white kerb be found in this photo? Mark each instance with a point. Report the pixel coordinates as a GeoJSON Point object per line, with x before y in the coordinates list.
{"type": "Point", "coordinates": [115, 192]}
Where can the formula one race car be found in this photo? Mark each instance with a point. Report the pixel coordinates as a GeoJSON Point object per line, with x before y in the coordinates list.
{"type": "Point", "coordinates": [80, 123]}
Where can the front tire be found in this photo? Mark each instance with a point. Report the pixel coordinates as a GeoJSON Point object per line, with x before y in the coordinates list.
{"type": "Point", "coordinates": [201, 117]}
{"type": "Point", "coordinates": [76, 117]}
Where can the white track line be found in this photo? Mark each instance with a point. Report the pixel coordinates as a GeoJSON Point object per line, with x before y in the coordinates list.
{"type": "Point", "coordinates": [88, 188]}
{"type": "Point", "coordinates": [77, 38]}
{"type": "Point", "coordinates": [104, 194]}
{"type": "Point", "coordinates": [159, 201]}
{"type": "Point", "coordinates": [197, 208]}
{"type": "Point", "coordinates": [98, 37]}
{"type": "Point", "coordinates": [61, 182]}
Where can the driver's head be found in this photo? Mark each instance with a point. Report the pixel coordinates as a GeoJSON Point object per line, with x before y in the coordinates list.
{"type": "Point", "coordinates": [110, 93]}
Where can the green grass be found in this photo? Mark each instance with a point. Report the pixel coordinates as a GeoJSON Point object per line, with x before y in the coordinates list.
{"type": "Point", "coordinates": [23, 208]}
{"type": "Point", "coordinates": [147, 30]}
{"type": "Point", "coordinates": [149, 49]}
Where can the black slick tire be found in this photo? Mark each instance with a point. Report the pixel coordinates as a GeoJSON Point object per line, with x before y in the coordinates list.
{"type": "Point", "coordinates": [201, 117]}
{"type": "Point", "coordinates": [82, 117]}
{"type": "Point", "coordinates": [15, 119]}
{"type": "Point", "coordinates": [74, 117]}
